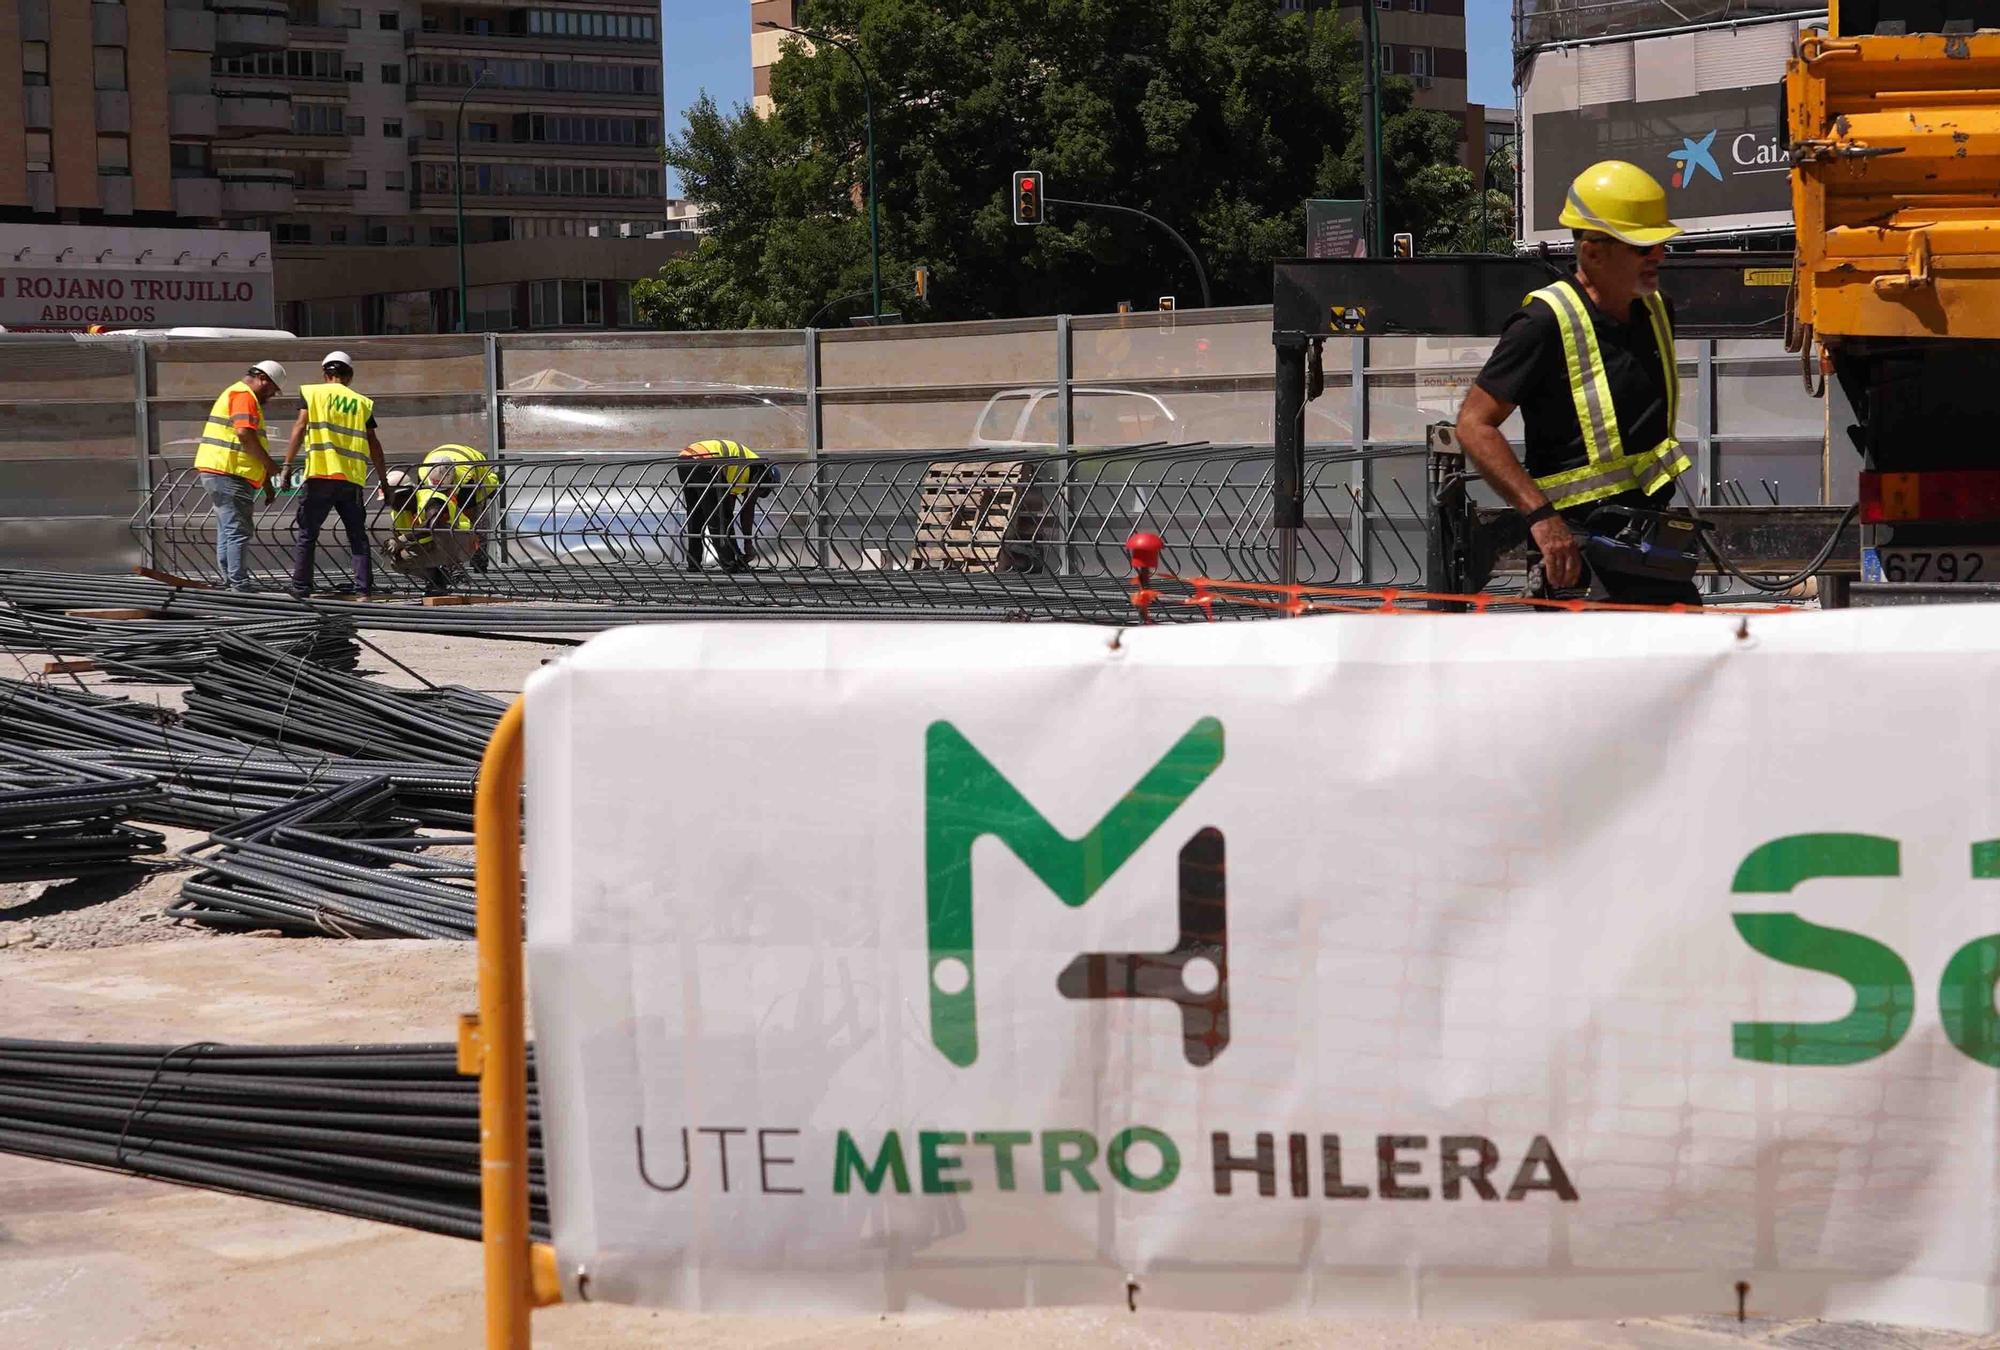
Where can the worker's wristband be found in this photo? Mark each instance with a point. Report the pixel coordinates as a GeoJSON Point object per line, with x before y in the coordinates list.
{"type": "Point", "coordinates": [1539, 514]}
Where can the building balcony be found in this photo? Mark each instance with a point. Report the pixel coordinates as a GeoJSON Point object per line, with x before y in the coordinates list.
{"type": "Point", "coordinates": [243, 26]}
{"type": "Point", "coordinates": [316, 147]}
{"type": "Point", "coordinates": [114, 193]}
{"type": "Point", "coordinates": [247, 113]}
{"type": "Point", "coordinates": [322, 198]}
{"type": "Point", "coordinates": [256, 192]}
{"type": "Point", "coordinates": [501, 203]}
{"type": "Point", "coordinates": [191, 30]}
{"type": "Point", "coordinates": [445, 96]}
{"type": "Point", "coordinates": [198, 198]}
{"type": "Point", "coordinates": [191, 115]}
{"type": "Point", "coordinates": [541, 152]}
{"type": "Point", "coordinates": [319, 35]}
{"type": "Point", "coordinates": [314, 86]}
{"type": "Point", "coordinates": [440, 43]}
{"type": "Point", "coordinates": [42, 193]}
{"type": "Point", "coordinates": [114, 111]}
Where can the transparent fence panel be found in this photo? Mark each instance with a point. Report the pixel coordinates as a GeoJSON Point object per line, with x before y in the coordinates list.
{"type": "Point", "coordinates": [1006, 352]}
{"type": "Point", "coordinates": [639, 423]}
{"type": "Point", "coordinates": [939, 423]}
{"type": "Point", "coordinates": [409, 425]}
{"type": "Point", "coordinates": [1766, 398]}
{"type": "Point", "coordinates": [1769, 473]}
{"type": "Point", "coordinates": [83, 430]}
{"type": "Point", "coordinates": [200, 368]}
{"type": "Point", "coordinates": [1113, 349]}
{"type": "Point", "coordinates": [67, 368]}
{"type": "Point", "coordinates": [662, 362]}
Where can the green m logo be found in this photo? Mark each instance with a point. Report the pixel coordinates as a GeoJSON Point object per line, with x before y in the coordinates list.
{"type": "Point", "coordinates": [967, 798]}
{"type": "Point", "coordinates": [345, 403]}
{"type": "Point", "coordinates": [1885, 996]}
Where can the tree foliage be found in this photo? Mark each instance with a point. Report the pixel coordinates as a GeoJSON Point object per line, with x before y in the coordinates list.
{"type": "Point", "coordinates": [1219, 116]}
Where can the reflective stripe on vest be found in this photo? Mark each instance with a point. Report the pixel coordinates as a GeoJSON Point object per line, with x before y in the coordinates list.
{"type": "Point", "coordinates": [1611, 470]}
{"type": "Point", "coordinates": [220, 451]}
{"type": "Point", "coordinates": [736, 473]}
{"type": "Point", "coordinates": [337, 432]}
{"type": "Point", "coordinates": [455, 518]}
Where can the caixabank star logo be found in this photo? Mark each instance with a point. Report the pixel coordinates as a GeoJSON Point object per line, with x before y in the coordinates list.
{"type": "Point", "coordinates": [966, 799]}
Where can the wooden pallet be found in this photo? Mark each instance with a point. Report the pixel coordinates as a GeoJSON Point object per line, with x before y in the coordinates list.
{"type": "Point", "coordinates": [969, 512]}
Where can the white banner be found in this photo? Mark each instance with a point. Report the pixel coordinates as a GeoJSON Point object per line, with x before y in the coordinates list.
{"type": "Point", "coordinates": [1448, 965]}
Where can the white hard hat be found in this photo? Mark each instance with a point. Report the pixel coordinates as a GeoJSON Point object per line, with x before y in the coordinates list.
{"type": "Point", "coordinates": [336, 359]}
{"type": "Point", "coordinates": [399, 478]}
{"type": "Point", "coordinates": [271, 371]}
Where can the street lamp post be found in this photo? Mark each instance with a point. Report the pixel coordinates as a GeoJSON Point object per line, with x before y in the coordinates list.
{"type": "Point", "coordinates": [458, 183]}
{"type": "Point", "coordinates": [868, 113]}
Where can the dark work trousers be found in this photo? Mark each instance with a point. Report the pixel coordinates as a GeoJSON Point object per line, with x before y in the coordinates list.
{"type": "Point", "coordinates": [321, 496]}
{"type": "Point", "coordinates": [711, 509]}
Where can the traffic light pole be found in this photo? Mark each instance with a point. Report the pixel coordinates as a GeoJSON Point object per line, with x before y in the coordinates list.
{"type": "Point", "coordinates": [1199, 275]}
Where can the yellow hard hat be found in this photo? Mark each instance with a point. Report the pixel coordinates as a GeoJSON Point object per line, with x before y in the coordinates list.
{"type": "Point", "coordinates": [1622, 200]}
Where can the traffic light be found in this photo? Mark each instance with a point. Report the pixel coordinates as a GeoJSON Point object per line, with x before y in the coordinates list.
{"type": "Point", "coordinates": [1406, 245]}
{"type": "Point", "coordinates": [1028, 207]}
{"type": "Point", "coordinates": [923, 282]}
{"type": "Point", "coordinates": [1166, 304]}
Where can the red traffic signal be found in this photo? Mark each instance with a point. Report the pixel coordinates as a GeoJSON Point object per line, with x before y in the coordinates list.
{"type": "Point", "coordinates": [1028, 205]}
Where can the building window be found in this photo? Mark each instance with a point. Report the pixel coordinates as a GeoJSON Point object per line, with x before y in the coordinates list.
{"type": "Point", "coordinates": [357, 178]}
{"type": "Point", "coordinates": [38, 152]}
{"type": "Point", "coordinates": [443, 235]}
{"type": "Point", "coordinates": [114, 156]}
{"type": "Point", "coordinates": [393, 179]}
{"type": "Point", "coordinates": [389, 21]}
{"type": "Point", "coordinates": [290, 232]}
{"type": "Point", "coordinates": [357, 126]}
{"type": "Point", "coordinates": [34, 64]}
{"type": "Point", "coordinates": [350, 18]}
{"type": "Point", "coordinates": [188, 159]}
{"type": "Point", "coordinates": [1420, 64]}
{"type": "Point", "coordinates": [378, 234]}
{"type": "Point", "coordinates": [1419, 6]}
{"type": "Point", "coordinates": [109, 64]}
{"type": "Point", "coordinates": [1387, 63]}
{"type": "Point", "coordinates": [318, 119]}
{"type": "Point", "coordinates": [483, 131]}
{"type": "Point", "coordinates": [351, 72]}
{"type": "Point", "coordinates": [392, 127]}
{"type": "Point", "coordinates": [336, 234]}
{"type": "Point", "coordinates": [392, 74]}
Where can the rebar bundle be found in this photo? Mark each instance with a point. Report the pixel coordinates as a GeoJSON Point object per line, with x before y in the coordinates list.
{"type": "Point", "coordinates": [204, 780]}
{"type": "Point", "coordinates": [343, 863]}
{"type": "Point", "coordinates": [61, 817]}
{"type": "Point", "coordinates": [383, 1132]}
{"type": "Point", "coordinates": [169, 650]}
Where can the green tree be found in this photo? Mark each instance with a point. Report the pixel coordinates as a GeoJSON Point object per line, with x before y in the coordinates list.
{"type": "Point", "coordinates": [1219, 116]}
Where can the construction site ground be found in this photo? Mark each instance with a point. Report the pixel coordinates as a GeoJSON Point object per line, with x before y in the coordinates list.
{"type": "Point", "coordinates": [92, 1259]}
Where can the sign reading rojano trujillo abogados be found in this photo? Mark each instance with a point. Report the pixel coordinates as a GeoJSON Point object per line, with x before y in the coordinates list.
{"type": "Point", "coordinates": [39, 297]}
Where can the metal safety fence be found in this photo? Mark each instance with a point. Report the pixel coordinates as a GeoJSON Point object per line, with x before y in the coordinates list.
{"type": "Point", "coordinates": [1000, 533]}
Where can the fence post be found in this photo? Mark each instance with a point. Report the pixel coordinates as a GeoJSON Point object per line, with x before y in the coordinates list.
{"type": "Point", "coordinates": [1362, 479]}
{"type": "Point", "coordinates": [1065, 431]}
{"type": "Point", "coordinates": [493, 438]}
{"type": "Point", "coordinates": [816, 445]}
{"type": "Point", "coordinates": [1704, 431]}
{"type": "Point", "coordinates": [1288, 446]}
{"type": "Point", "coordinates": [142, 443]}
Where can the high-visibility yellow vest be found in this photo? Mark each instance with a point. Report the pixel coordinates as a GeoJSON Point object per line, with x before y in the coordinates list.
{"type": "Point", "coordinates": [454, 518]}
{"type": "Point", "coordinates": [220, 451]}
{"type": "Point", "coordinates": [1612, 469]}
{"type": "Point", "coordinates": [336, 432]}
{"type": "Point", "coordinates": [735, 460]}
{"type": "Point", "coordinates": [461, 469]}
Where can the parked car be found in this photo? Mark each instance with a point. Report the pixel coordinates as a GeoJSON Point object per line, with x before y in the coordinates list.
{"type": "Point", "coordinates": [1029, 419]}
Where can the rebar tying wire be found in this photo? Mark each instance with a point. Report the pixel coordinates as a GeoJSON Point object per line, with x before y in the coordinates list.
{"type": "Point", "coordinates": [139, 1103]}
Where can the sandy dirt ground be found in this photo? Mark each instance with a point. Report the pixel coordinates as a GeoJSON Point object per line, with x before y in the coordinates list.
{"type": "Point", "coordinates": [92, 1260]}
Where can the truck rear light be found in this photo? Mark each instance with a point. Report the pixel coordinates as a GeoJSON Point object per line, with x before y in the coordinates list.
{"type": "Point", "coordinates": [1959, 494]}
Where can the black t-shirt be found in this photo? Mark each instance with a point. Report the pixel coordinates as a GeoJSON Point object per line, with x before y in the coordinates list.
{"type": "Point", "coordinates": [1527, 369]}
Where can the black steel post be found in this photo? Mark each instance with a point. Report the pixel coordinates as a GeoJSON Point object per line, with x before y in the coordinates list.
{"type": "Point", "coordinates": [1288, 466]}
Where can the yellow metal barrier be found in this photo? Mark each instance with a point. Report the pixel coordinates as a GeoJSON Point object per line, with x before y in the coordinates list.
{"type": "Point", "coordinates": [493, 1043]}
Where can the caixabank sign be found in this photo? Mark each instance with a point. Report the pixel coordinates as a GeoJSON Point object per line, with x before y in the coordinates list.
{"type": "Point", "coordinates": [1482, 966]}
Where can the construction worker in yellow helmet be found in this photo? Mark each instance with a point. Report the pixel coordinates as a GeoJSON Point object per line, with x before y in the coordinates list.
{"type": "Point", "coordinates": [1589, 361]}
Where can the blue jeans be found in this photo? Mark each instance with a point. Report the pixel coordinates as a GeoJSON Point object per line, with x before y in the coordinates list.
{"type": "Point", "coordinates": [232, 497]}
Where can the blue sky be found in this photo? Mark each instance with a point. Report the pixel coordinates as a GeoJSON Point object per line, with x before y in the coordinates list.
{"type": "Point", "coordinates": [708, 47]}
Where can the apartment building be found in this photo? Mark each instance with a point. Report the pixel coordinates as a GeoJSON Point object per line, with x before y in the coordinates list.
{"type": "Point", "coordinates": [330, 123]}
{"type": "Point", "coordinates": [764, 47]}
